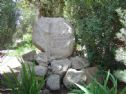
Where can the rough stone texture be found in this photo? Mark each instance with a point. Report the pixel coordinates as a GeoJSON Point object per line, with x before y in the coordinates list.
{"type": "Point", "coordinates": [90, 72]}
{"type": "Point", "coordinates": [60, 66]}
{"type": "Point", "coordinates": [8, 62]}
{"type": "Point", "coordinates": [79, 62]}
{"type": "Point", "coordinates": [42, 59]}
{"type": "Point", "coordinates": [53, 82]}
{"type": "Point", "coordinates": [73, 76]}
{"type": "Point", "coordinates": [55, 36]}
{"type": "Point", "coordinates": [40, 70]}
{"type": "Point", "coordinates": [29, 56]}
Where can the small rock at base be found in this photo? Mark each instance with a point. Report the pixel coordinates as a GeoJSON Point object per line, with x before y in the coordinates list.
{"type": "Point", "coordinates": [53, 82]}
{"type": "Point", "coordinates": [73, 76]}
{"type": "Point", "coordinates": [40, 70]}
{"type": "Point", "coordinates": [79, 62]}
{"type": "Point", "coordinates": [29, 56]}
{"type": "Point", "coordinates": [42, 59]}
{"type": "Point", "coordinates": [60, 66]}
{"type": "Point", "coordinates": [90, 72]}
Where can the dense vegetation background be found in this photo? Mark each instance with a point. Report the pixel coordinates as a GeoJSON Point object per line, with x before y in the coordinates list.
{"type": "Point", "coordinates": [100, 36]}
{"type": "Point", "coordinates": [7, 22]}
{"type": "Point", "coordinates": [96, 22]}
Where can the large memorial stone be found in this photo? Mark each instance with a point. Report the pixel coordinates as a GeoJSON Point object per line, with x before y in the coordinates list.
{"type": "Point", "coordinates": [55, 36]}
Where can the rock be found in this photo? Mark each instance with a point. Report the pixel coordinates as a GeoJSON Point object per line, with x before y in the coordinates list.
{"type": "Point", "coordinates": [29, 56]}
{"type": "Point", "coordinates": [40, 70]}
{"type": "Point", "coordinates": [8, 62]}
{"type": "Point", "coordinates": [90, 72]}
{"type": "Point", "coordinates": [79, 62]}
{"type": "Point", "coordinates": [60, 66]}
{"type": "Point", "coordinates": [5, 52]}
{"type": "Point", "coordinates": [53, 82]}
{"type": "Point", "coordinates": [42, 59]}
{"type": "Point", "coordinates": [73, 76]}
{"type": "Point", "coordinates": [55, 36]}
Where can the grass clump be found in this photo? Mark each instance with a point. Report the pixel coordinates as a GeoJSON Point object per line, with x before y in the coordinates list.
{"type": "Point", "coordinates": [28, 83]}
{"type": "Point", "coordinates": [97, 88]}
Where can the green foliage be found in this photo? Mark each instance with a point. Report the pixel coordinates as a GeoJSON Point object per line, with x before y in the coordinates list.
{"type": "Point", "coordinates": [25, 45]}
{"type": "Point", "coordinates": [96, 24]}
{"type": "Point", "coordinates": [97, 88]}
{"type": "Point", "coordinates": [27, 16]}
{"type": "Point", "coordinates": [49, 8]}
{"type": "Point", "coordinates": [23, 38]}
{"type": "Point", "coordinates": [28, 83]}
{"type": "Point", "coordinates": [123, 91]}
{"type": "Point", "coordinates": [7, 22]}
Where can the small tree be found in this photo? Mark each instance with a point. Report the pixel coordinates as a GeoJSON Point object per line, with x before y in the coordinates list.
{"type": "Point", "coordinates": [49, 8]}
{"type": "Point", "coordinates": [7, 22]}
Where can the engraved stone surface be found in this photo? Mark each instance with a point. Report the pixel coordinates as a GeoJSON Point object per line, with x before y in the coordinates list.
{"type": "Point", "coordinates": [55, 36]}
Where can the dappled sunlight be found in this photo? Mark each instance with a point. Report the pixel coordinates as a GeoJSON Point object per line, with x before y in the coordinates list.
{"type": "Point", "coordinates": [9, 62]}
{"type": "Point", "coordinates": [63, 46]}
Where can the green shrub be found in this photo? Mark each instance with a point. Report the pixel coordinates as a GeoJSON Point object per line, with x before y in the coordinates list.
{"type": "Point", "coordinates": [7, 22]}
{"type": "Point", "coordinates": [49, 8]}
{"type": "Point", "coordinates": [25, 45]}
{"type": "Point", "coordinates": [97, 88]}
{"type": "Point", "coordinates": [96, 24]}
{"type": "Point", "coordinates": [123, 91]}
{"type": "Point", "coordinates": [28, 83]}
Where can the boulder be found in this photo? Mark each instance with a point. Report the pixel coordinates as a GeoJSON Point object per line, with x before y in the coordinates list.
{"type": "Point", "coordinates": [29, 56]}
{"type": "Point", "coordinates": [90, 72]}
{"type": "Point", "coordinates": [42, 59]}
{"type": "Point", "coordinates": [53, 82]}
{"type": "Point", "coordinates": [55, 36]}
{"type": "Point", "coordinates": [60, 66]}
{"type": "Point", "coordinates": [79, 62]}
{"type": "Point", "coordinates": [9, 62]}
{"type": "Point", "coordinates": [40, 70]}
{"type": "Point", "coordinates": [73, 76]}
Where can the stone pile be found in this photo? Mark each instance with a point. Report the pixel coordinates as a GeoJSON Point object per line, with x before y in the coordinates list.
{"type": "Point", "coordinates": [55, 38]}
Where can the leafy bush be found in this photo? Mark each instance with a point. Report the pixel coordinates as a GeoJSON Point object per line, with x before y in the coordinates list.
{"type": "Point", "coordinates": [7, 22]}
{"type": "Point", "coordinates": [28, 83]}
{"type": "Point", "coordinates": [26, 18]}
{"type": "Point", "coordinates": [96, 24]}
{"type": "Point", "coordinates": [23, 46]}
{"type": "Point", "coordinates": [49, 8]}
{"type": "Point", "coordinates": [97, 88]}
